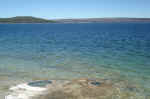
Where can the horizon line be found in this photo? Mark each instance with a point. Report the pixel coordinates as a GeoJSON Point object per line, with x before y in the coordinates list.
{"type": "Point", "coordinates": [79, 17]}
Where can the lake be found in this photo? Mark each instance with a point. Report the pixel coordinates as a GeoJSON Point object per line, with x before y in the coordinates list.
{"type": "Point", "coordinates": [116, 51]}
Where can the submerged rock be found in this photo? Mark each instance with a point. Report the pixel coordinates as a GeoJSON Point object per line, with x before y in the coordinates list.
{"type": "Point", "coordinates": [41, 83]}
{"type": "Point", "coordinates": [73, 89]}
{"type": "Point", "coordinates": [33, 89]}
{"type": "Point", "coordinates": [96, 83]}
{"type": "Point", "coordinates": [79, 89]}
{"type": "Point", "coordinates": [28, 90]}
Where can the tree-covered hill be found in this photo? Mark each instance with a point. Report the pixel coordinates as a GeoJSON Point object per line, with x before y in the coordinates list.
{"type": "Point", "coordinates": [24, 19]}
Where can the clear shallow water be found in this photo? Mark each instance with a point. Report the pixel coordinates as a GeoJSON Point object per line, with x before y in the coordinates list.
{"type": "Point", "coordinates": [117, 51]}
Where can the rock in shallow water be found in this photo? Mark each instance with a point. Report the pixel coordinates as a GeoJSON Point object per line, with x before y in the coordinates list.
{"type": "Point", "coordinates": [41, 83]}
{"type": "Point", "coordinates": [70, 89]}
{"type": "Point", "coordinates": [96, 83]}
{"type": "Point", "coordinates": [79, 89]}
{"type": "Point", "coordinates": [32, 89]}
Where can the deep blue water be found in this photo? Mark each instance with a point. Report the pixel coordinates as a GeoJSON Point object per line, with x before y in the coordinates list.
{"type": "Point", "coordinates": [118, 51]}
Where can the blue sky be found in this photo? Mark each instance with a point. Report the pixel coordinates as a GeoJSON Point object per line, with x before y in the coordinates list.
{"type": "Point", "coordinates": [52, 9]}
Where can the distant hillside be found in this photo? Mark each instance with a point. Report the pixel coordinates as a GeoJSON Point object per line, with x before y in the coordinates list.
{"type": "Point", "coordinates": [30, 19]}
{"type": "Point", "coordinates": [84, 20]}
{"type": "Point", "coordinates": [24, 19]}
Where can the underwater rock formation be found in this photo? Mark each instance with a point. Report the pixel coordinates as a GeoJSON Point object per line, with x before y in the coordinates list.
{"type": "Point", "coordinates": [75, 89]}
{"type": "Point", "coordinates": [79, 89]}
{"type": "Point", "coordinates": [28, 90]}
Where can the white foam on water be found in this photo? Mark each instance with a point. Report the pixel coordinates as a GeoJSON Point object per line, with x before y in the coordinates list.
{"type": "Point", "coordinates": [24, 91]}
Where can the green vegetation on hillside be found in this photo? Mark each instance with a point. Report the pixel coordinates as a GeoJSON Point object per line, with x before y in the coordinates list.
{"type": "Point", "coordinates": [24, 19]}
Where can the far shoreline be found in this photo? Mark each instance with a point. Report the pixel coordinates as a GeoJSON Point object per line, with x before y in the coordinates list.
{"type": "Point", "coordinates": [35, 20]}
{"type": "Point", "coordinates": [83, 22]}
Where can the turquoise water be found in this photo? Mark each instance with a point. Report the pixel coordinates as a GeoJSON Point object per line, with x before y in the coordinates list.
{"type": "Point", "coordinates": [116, 51]}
